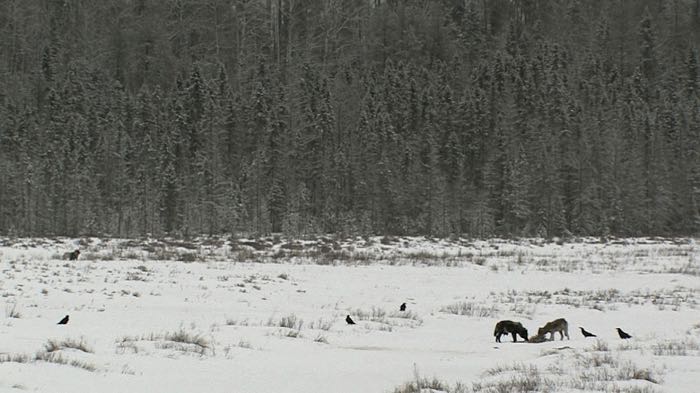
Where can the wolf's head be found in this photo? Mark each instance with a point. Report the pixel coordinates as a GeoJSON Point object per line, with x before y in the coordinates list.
{"type": "Point", "coordinates": [522, 332]}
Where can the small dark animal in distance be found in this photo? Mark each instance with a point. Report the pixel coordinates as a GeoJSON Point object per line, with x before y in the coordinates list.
{"type": "Point", "coordinates": [349, 320]}
{"type": "Point", "coordinates": [586, 334]}
{"type": "Point", "coordinates": [71, 256]}
{"type": "Point", "coordinates": [622, 334]}
{"type": "Point", "coordinates": [402, 307]}
{"type": "Point", "coordinates": [63, 321]}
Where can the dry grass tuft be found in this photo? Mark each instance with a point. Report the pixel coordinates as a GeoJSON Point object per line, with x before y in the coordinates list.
{"type": "Point", "coordinates": [471, 309]}
{"type": "Point", "coordinates": [55, 345]}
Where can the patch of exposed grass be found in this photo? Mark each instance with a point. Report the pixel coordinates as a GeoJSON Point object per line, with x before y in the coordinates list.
{"type": "Point", "coordinates": [528, 379]}
{"type": "Point", "coordinates": [631, 371]}
{"type": "Point", "coordinates": [321, 339]}
{"type": "Point", "coordinates": [291, 333]}
{"type": "Point", "coordinates": [375, 314]}
{"type": "Point", "coordinates": [684, 347]}
{"type": "Point", "coordinates": [630, 346]}
{"type": "Point", "coordinates": [236, 322]}
{"type": "Point", "coordinates": [386, 320]}
{"type": "Point", "coordinates": [244, 344]}
{"type": "Point", "coordinates": [11, 311]}
{"type": "Point", "coordinates": [181, 336]}
{"type": "Point", "coordinates": [632, 389]}
{"type": "Point", "coordinates": [166, 254]}
{"type": "Point", "coordinates": [15, 358]}
{"type": "Point", "coordinates": [423, 385]}
{"type": "Point", "coordinates": [519, 367]}
{"type": "Point", "coordinates": [179, 340]}
{"type": "Point", "coordinates": [135, 276]}
{"type": "Point", "coordinates": [597, 360]}
{"type": "Point", "coordinates": [59, 359]}
{"type": "Point", "coordinates": [126, 346]}
{"type": "Point", "coordinates": [600, 346]}
{"type": "Point", "coordinates": [291, 321]}
{"type": "Point", "coordinates": [322, 324]}
{"type": "Point", "coordinates": [470, 309]}
{"type": "Point", "coordinates": [406, 315]}
{"type": "Point", "coordinates": [56, 345]}
{"type": "Point", "coordinates": [602, 300]}
{"type": "Point", "coordinates": [46, 357]}
{"type": "Point", "coordinates": [570, 370]}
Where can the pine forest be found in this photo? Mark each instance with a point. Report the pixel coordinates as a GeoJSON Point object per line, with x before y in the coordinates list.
{"type": "Point", "coordinates": [360, 117]}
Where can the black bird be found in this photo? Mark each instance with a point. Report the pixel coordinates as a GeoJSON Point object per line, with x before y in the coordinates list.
{"type": "Point", "coordinates": [622, 334]}
{"type": "Point", "coordinates": [587, 334]}
{"type": "Point", "coordinates": [402, 307]}
{"type": "Point", "coordinates": [63, 321]}
{"type": "Point", "coordinates": [349, 320]}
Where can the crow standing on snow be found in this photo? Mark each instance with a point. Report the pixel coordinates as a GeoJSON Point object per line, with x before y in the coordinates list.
{"type": "Point", "coordinates": [587, 334]}
{"type": "Point", "coordinates": [402, 307]}
{"type": "Point", "coordinates": [63, 321]}
{"type": "Point", "coordinates": [622, 334]}
{"type": "Point", "coordinates": [349, 320]}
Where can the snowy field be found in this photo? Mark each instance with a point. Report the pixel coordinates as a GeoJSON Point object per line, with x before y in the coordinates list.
{"type": "Point", "coordinates": [268, 315]}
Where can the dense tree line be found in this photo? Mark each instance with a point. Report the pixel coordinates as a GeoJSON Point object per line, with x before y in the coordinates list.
{"type": "Point", "coordinates": [476, 117]}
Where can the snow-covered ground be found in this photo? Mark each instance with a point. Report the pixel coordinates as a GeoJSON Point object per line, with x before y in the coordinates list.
{"type": "Point", "coordinates": [268, 315]}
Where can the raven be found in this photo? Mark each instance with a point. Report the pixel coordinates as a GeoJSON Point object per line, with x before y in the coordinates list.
{"type": "Point", "coordinates": [622, 334]}
{"type": "Point", "coordinates": [587, 334]}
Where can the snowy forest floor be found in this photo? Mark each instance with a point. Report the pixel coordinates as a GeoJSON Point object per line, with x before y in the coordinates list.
{"type": "Point", "coordinates": [268, 315]}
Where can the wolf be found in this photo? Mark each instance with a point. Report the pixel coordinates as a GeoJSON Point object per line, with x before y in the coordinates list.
{"type": "Point", "coordinates": [558, 325]}
{"type": "Point", "coordinates": [72, 256]}
{"type": "Point", "coordinates": [509, 327]}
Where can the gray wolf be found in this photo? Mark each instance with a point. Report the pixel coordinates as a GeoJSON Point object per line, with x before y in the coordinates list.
{"type": "Point", "coordinates": [558, 325]}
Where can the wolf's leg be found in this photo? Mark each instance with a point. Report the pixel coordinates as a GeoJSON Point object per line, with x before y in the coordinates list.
{"type": "Point", "coordinates": [514, 339]}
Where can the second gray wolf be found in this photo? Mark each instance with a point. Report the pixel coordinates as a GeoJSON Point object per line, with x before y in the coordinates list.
{"type": "Point", "coordinates": [558, 325]}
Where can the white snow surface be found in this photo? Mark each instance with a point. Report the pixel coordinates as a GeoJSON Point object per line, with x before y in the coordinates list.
{"type": "Point", "coordinates": [137, 310]}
